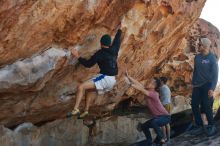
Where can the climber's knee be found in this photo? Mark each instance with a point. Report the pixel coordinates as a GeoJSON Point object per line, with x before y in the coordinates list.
{"type": "Point", "coordinates": [81, 87]}
{"type": "Point", "coordinates": [86, 85]}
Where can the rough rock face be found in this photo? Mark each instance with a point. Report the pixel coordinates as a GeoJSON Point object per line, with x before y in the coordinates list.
{"type": "Point", "coordinates": [112, 131]}
{"type": "Point", "coordinates": [180, 66]}
{"type": "Point", "coordinates": [186, 139]}
{"type": "Point", "coordinates": [201, 140]}
{"type": "Point", "coordinates": [38, 77]}
{"type": "Point", "coordinates": [72, 132]}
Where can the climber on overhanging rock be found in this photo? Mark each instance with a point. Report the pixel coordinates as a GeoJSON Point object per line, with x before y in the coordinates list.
{"type": "Point", "coordinates": [204, 80]}
{"type": "Point", "coordinates": [160, 116]}
{"type": "Point", "coordinates": [106, 58]}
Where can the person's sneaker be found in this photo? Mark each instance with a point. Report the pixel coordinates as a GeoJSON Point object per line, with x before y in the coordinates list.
{"type": "Point", "coordinates": [211, 131]}
{"type": "Point", "coordinates": [75, 112]}
{"type": "Point", "coordinates": [163, 142]}
{"type": "Point", "coordinates": [138, 127]}
{"type": "Point", "coordinates": [197, 131]}
{"type": "Point", "coordinates": [69, 114]}
{"type": "Point", "coordinates": [84, 114]}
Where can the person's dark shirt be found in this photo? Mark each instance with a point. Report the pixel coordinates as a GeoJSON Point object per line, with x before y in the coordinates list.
{"type": "Point", "coordinates": [205, 70]}
{"type": "Point", "coordinates": [106, 58]}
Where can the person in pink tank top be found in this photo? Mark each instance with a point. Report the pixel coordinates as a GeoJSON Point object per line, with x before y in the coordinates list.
{"type": "Point", "coordinates": [160, 115]}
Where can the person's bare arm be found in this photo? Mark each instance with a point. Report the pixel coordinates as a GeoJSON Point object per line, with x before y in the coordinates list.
{"type": "Point", "coordinates": [141, 89]}
{"type": "Point", "coordinates": [137, 85]}
{"type": "Point", "coordinates": [132, 80]}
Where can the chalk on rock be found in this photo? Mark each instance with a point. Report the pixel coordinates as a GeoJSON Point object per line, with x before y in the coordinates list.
{"type": "Point", "coordinates": [65, 98]}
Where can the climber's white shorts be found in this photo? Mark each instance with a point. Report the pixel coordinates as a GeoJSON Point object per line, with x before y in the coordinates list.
{"type": "Point", "coordinates": [104, 83]}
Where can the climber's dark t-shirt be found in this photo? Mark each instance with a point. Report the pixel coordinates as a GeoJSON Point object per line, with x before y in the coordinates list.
{"type": "Point", "coordinates": [106, 58]}
{"type": "Point", "coordinates": [205, 70]}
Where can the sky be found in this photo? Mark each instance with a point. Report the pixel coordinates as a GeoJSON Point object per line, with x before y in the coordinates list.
{"type": "Point", "coordinates": [211, 13]}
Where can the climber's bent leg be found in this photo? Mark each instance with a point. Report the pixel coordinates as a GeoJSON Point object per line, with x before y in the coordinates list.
{"type": "Point", "coordinates": [81, 89]}
{"type": "Point", "coordinates": [101, 83]}
{"type": "Point", "coordinates": [90, 96]}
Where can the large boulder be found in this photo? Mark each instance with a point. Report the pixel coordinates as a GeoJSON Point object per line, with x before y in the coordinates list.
{"type": "Point", "coordinates": [38, 76]}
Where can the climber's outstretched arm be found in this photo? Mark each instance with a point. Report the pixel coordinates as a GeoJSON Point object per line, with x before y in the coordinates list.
{"type": "Point", "coordinates": [137, 85]}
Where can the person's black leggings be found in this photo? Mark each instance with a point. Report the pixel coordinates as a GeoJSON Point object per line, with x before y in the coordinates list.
{"type": "Point", "coordinates": [155, 123]}
{"type": "Point", "coordinates": [211, 101]}
{"type": "Point", "coordinates": [200, 98]}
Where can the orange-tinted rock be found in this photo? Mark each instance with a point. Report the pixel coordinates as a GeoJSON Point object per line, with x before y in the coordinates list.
{"type": "Point", "coordinates": [38, 77]}
{"type": "Point", "coordinates": [165, 8]}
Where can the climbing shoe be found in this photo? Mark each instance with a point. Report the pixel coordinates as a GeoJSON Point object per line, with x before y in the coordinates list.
{"type": "Point", "coordinates": [197, 131]}
{"type": "Point", "coordinates": [69, 114]}
{"type": "Point", "coordinates": [84, 114]}
{"type": "Point", "coordinates": [75, 112]}
{"type": "Point", "coordinates": [211, 130]}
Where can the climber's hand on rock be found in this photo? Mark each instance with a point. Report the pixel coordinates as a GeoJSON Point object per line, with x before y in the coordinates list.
{"type": "Point", "coordinates": [126, 74]}
{"type": "Point", "coordinates": [127, 79]}
{"type": "Point", "coordinates": [75, 53]}
{"type": "Point", "coordinates": [118, 26]}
